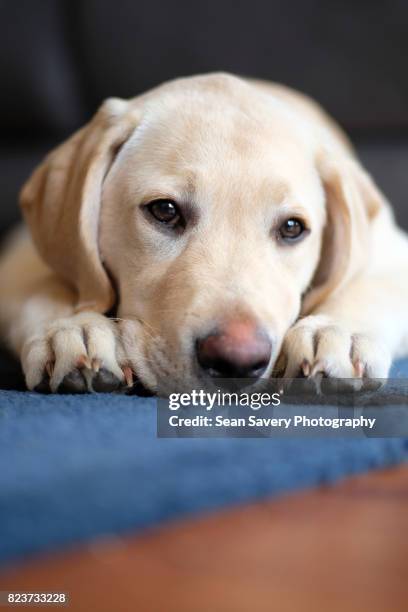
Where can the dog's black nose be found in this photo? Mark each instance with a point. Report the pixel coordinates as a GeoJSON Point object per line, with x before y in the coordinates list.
{"type": "Point", "coordinates": [239, 349]}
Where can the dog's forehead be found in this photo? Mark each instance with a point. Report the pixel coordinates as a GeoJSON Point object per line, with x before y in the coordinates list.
{"type": "Point", "coordinates": [203, 140]}
{"type": "Point", "coordinates": [206, 121]}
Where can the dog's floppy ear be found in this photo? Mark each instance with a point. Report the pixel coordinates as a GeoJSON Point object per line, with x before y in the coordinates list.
{"type": "Point", "coordinates": [61, 202]}
{"type": "Point", "coordinates": [352, 203]}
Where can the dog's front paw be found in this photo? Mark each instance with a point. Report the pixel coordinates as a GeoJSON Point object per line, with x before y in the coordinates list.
{"type": "Point", "coordinates": [317, 347]}
{"type": "Point", "coordinates": [75, 355]}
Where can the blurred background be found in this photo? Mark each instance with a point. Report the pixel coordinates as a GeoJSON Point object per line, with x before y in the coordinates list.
{"type": "Point", "coordinates": [60, 58]}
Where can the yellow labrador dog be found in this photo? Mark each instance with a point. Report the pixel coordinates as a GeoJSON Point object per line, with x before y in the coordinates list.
{"type": "Point", "coordinates": [228, 228]}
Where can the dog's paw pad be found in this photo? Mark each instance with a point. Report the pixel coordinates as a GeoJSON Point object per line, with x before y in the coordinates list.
{"type": "Point", "coordinates": [74, 382]}
{"type": "Point", "coordinates": [105, 381]}
{"type": "Point", "coordinates": [43, 386]}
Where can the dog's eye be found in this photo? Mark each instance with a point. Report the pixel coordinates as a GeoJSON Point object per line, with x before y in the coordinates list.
{"type": "Point", "coordinates": [165, 211]}
{"type": "Point", "coordinates": [291, 229]}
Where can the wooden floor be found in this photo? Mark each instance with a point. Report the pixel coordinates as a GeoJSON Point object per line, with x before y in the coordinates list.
{"type": "Point", "coordinates": [338, 549]}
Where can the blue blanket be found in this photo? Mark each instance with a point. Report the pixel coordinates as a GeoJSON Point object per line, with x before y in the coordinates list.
{"type": "Point", "coordinates": [77, 467]}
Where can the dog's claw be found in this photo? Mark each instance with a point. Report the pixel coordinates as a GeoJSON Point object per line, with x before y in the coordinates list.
{"type": "Point", "coordinates": [317, 376]}
{"type": "Point", "coordinates": [359, 368]}
{"type": "Point", "coordinates": [49, 367]}
{"type": "Point", "coordinates": [317, 369]}
{"type": "Point", "coordinates": [305, 367]}
{"type": "Point", "coordinates": [96, 364]}
{"type": "Point", "coordinates": [83, 362]}
{"type": "Point", "coordinates": [128, 374]}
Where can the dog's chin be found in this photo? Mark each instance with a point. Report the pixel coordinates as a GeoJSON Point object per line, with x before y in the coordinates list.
{"type": "Point", "coordinates": [153, 382]}
{"type": "Point", "coordinates": [166, 387]}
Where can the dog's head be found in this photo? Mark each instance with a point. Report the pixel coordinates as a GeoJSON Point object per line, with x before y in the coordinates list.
{"type": "Point", "coordinates": [212, 213]}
